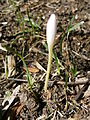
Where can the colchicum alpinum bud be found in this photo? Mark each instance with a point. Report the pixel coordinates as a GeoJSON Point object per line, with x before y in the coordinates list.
{"type": "Point", "coordinates": [50, 34]}
{"type": "Point", "coordinates": [51, 30]}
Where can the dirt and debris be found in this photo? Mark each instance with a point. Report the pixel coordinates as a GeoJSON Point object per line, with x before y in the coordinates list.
{"type": "Point", "coordinates": [23, 32]}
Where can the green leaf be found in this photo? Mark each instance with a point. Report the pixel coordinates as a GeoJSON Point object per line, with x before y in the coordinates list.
{"type": "Point", "coordinates": [76, 26]}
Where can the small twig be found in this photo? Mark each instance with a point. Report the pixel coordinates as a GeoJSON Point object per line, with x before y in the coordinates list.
{"type": "Point", "coordinates": [2, 48]}
{"type": "Point", "coordinates": [50, 6]}
{"type": "Point", "coordinates": [3, 81]}
{"type": "Point", "coordinates": [13, 80]}
{"type": "Point", "coordinates": [54, 115]}
{"type": "Point", "coordinates": [82, 90]}
{"type": "Point", "coordinates": [73, 83]}
{"type": "Point", "coordinates": [39, 66]}
{"type": "Point", "coordinates": [17, 80]}
{"type": "Point", "coordinates": [81, 56]}
{"type": "Point", "coordinates": [61, 115]}
{"type": "Point", "coordinates": [37, 6]}
{"type": "Point", "coordinates": [39, 51]}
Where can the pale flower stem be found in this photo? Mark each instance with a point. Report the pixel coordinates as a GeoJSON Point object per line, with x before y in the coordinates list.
{"type": "Point", "coordinates": [48, 69]}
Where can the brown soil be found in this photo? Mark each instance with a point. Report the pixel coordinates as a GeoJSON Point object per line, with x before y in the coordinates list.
{"type": "Point", "coordinates": [58, 103]}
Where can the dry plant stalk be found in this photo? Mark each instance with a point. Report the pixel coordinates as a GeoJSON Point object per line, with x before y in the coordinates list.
{"type": "Point", "coordinates": [11, 65]}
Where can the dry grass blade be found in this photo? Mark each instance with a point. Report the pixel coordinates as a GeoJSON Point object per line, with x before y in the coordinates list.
{"type": "Point", "coordinates": [10, 99]}
{"type": "Point", "coordinates": [2, 48]}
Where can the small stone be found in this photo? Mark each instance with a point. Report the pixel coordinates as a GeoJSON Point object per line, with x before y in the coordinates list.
{"type": "Point", "coordinates": [76, 17]}
{"type": "Point", "coordinates": [4, 23]}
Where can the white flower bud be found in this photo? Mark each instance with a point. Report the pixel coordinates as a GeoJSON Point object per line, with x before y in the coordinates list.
{"type": "Point", "coordinates": [51, 30]}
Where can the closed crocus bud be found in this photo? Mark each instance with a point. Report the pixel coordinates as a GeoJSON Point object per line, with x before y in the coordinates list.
{"type": "Point", "coordinates": [51, 30]}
